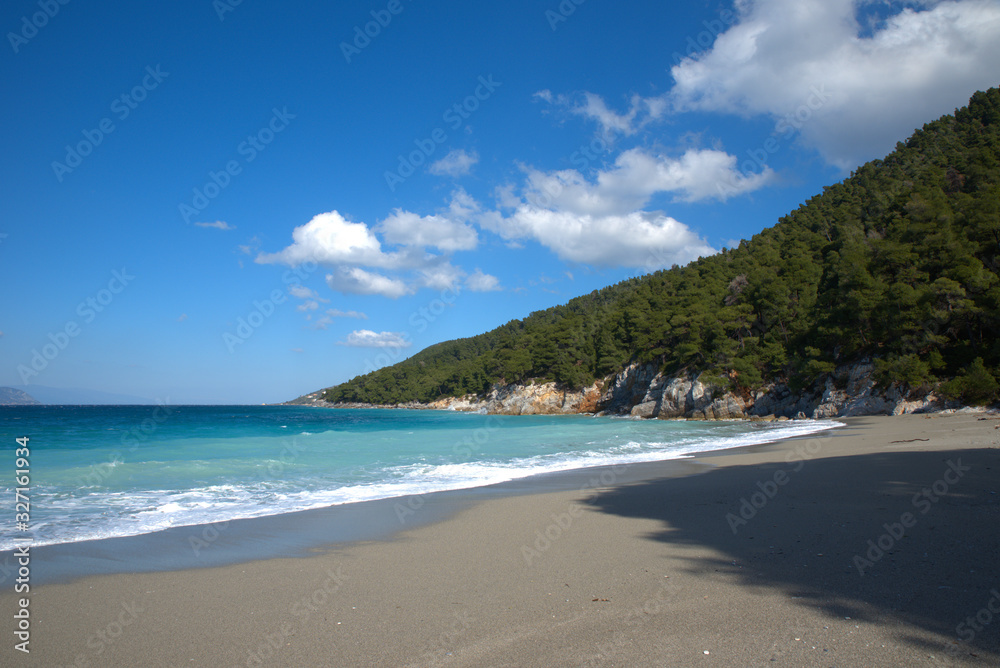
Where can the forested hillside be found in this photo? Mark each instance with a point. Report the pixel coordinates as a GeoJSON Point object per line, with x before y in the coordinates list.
{"type": "Point", "coordinates": [898, 262]}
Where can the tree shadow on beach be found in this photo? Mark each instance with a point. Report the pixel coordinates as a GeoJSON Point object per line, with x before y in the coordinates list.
{"type": "Point", "coordinates": [804, 526]}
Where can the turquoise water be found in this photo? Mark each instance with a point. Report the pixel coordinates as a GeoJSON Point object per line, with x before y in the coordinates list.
{"type": "Point", "coordinates": [104, 471]}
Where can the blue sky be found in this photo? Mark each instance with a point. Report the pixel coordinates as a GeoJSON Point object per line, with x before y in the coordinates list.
{"type": "Point", "coordinates": [210, 202]}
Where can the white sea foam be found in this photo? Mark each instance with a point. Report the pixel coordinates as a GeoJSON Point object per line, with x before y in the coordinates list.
{"type": "Point", "coordinates": [90, 514]}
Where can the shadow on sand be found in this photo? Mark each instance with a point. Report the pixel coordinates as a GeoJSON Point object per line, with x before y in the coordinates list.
{"type": "Point", "coordinates": [802, 536]}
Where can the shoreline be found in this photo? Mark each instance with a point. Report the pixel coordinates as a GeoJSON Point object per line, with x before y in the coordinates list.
{"type": "Point", "coordinates": [298, 533]}
{"type": "Point", "coordinates": [644, 569]}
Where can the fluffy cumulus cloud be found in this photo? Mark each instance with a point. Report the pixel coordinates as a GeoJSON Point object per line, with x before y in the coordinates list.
{"type": "Point", "coordinates": [330, 239]}
{"type": "Point", "coordinates": [457, 163]}
{"type": "Point", "coordinates": [603, 220]}
{"type": "Point", "coordinates": [366, 338]}
{"type": "Point", "coordinates": [851, 82]}
{"type": "Point", "coordinates": [441, 275]}
{"type": "Point", "coordinates": [481, 282]}
{"type": "Point", "coordinates": [849, 78]}
{"type": "Point", "coordinates": [301, 291]}
{"type": "Point", "coordinates": [357, 281]}
{"type": "Point", "coordinates": [641, 239]}
{"type": "Point", "coordinates": [441, 232]}
{"type": "Point", "coordinates": [600, 219]}
{"type": "Point", "coordinates": [362, 265]}
{"type": "Point", "coordinates": [637, 175]}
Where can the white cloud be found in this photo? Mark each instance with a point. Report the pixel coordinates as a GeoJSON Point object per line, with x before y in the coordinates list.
{"type": "Point", "coordinates": [312, 299]}
{"type": "Point", "coordinates": [181, 318]}
{"type": "Point", "coordinates": [441, 275]}
{"type": "Point", "coordinates": [545, 94]}
{"type": "Point", "coordinates": [331, 239]}
{"type": "Point", "coordinates": [297, 350]}
{"type": "Point", "coordinates": [456, 163]}
{"type": "Point", "coordinates": [248, 248]}
{"type": "Point", "coordinates": [365, 338]}
{"type": "Point", "coordinates": [851, 90]}
{"type": "Point", "coordinates": [638, 175]}
{"type": "Point", "coordinates": [357, 281]}
{"type": "Point", "coordinates": [219, 225]}
{"type": "Point", "coordinates": [354, 251]}
{"type": "Point", "coordinates": [409, 229]}
{"type": "Point", "coordinates": [480, 282]}
{"type": "Point", "coordinates": [301, 291]}
{"type": "Point", "coordinates": [641, 111]}
{"type": "Point", "coordinates": [642, 239]}
{"type": "Point", "coordinates": [839, 76]}
{"type": "Point", "coordinates": [327, 318]}
{"type": "Point", "coordinates": [337, 313]}
{"type": "Point", "coordinates": [603, 221]}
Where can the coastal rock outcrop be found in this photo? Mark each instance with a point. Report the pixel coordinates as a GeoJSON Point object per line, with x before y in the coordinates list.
{"type": "Point", "coordinates": [540, 399]}
{"type": "Point", "coordinates": [642, 390]}
{"type": "Point", "coordinates": [532, 399]}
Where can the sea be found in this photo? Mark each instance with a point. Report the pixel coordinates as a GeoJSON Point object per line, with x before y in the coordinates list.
{"type": "Point", "coordinates": [98, 472]}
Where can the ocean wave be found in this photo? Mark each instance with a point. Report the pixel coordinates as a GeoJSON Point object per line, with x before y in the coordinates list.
{"type": "Point", "coordinates": [90, 514]}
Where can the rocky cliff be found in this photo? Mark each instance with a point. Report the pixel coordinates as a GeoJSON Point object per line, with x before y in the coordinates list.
{"type": "Point", "coordinates": [641, 390]}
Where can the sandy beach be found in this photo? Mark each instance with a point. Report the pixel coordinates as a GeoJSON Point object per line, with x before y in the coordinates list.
{"type": "Point", "coordinates": [874, 544]}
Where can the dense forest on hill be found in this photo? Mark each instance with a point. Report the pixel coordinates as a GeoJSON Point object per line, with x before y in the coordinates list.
{"type": "Point", "coordinates": [898, 262]}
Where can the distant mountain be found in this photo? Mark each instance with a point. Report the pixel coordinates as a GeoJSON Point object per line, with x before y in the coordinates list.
{"type": "Point", "coordinates": [898, 264]}
{"type": "Point", "coordinates": [10, 396]}
{"type": "Point", "coordinates": [80, 397]}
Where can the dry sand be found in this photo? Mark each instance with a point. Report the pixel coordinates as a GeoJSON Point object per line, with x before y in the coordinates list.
{"type": "Point", "coordinates": [658, 572]}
